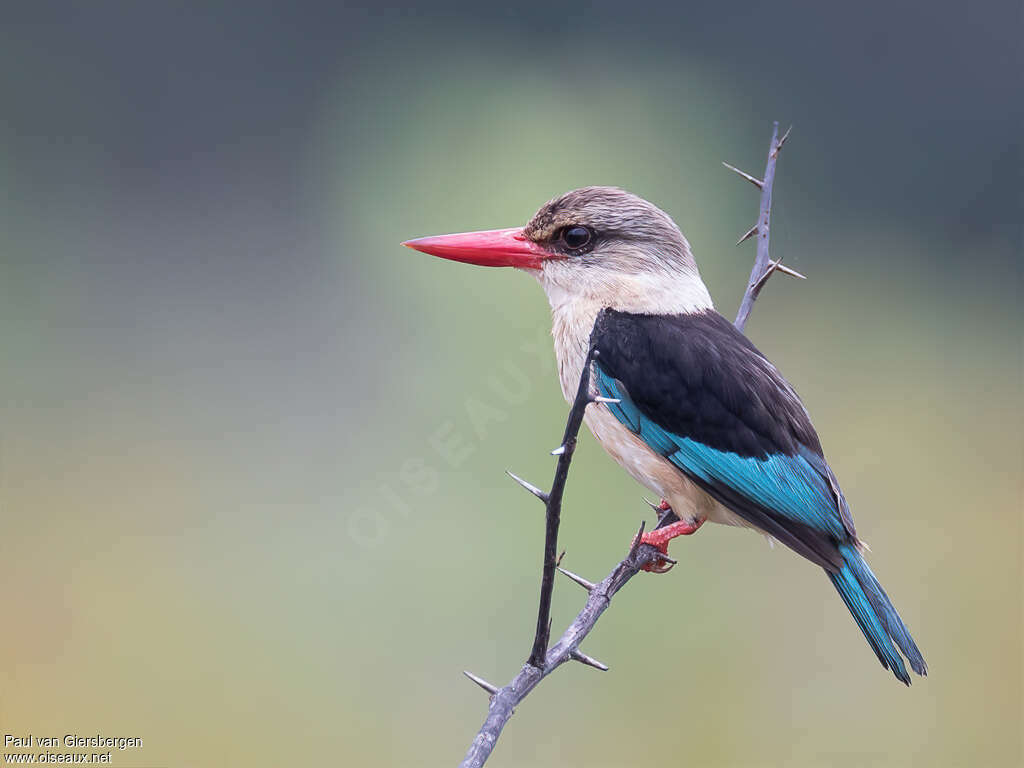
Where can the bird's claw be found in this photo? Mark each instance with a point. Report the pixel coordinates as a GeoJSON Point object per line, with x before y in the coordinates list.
{"type": "Point", "coordinates": [659, 565]}
{"type": "Point", "coordinates": [659, 539]}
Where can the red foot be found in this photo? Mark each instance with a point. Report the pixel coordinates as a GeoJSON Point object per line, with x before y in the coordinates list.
{"type": "Point", "coordinates": [660, 537]}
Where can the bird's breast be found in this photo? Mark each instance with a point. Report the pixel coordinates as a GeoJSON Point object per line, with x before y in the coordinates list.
{"type": "Point", "coordinates": [570, 327]}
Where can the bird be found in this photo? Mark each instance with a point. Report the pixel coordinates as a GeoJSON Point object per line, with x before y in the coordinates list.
{"type": "Point", "coordinates": [688, 406]}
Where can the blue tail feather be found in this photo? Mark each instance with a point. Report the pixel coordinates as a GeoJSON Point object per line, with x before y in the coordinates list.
{"type": "Point", "coordinates": [875, 615]}
{"type": "Point", "coordinates": [884, 609]}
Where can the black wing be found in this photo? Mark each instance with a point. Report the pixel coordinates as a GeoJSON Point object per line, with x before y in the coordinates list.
{"type": "Point", "coordinates": [698, 392]}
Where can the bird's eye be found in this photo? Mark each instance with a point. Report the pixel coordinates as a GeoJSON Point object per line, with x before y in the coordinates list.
{"type": "Point", "coordinates": [576, 237]}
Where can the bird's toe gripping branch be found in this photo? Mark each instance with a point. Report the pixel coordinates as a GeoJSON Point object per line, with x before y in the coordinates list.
{"type": "Point", "coordinates": [660, 537]}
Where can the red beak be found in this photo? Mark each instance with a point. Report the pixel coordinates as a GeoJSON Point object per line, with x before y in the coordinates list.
{"type": "Point", "coordinates": [493, 248]}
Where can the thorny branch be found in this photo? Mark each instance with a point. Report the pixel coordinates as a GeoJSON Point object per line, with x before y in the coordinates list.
{"type": "Point", "coordinates": [764, 267]}
{"type": "Point", "coordinates": [553, 509]}
{"type": "Point", "coordinates": [543, 659]}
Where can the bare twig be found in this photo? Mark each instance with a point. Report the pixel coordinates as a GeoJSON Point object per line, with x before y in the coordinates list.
{"type": "Point", "coordinates": [504, 702]}
{"type": "Point", "coordinates": [543, 660]}
{"type": "Point", "coordinates": [764, 267]}
{"type": "Point", "coordinates": [553, 504]}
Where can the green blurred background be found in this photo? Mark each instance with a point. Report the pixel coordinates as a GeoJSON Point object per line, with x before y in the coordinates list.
{"type": "Point", "coordinates": [251, 478]}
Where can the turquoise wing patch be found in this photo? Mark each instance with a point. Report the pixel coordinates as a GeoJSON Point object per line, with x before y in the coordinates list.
{"type": "Point", "coordinates": [789, 486]}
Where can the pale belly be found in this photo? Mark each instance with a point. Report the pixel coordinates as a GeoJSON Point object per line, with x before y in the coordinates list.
{"type": "Point", "coordinates": [654, 471]}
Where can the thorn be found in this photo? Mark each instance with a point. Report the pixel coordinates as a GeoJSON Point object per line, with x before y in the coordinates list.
{"type": "Point", "coordinates": [759, 283]}
{"type": "Point", "coordinates": [529, 486]}
{"type": "Point", "coordinates": [558, 562]}
{"type": "Point", "coordinates": [636, 540]}
{"type": "Point", "coordinates": [756, 182]}
{"type": "Point", "coordinates": [600, 399]}
{"type": "Point", "coordinates": [750, 233]}
{"type": "Point", "coordinates": [652, 505]}
{"type": "Point", "coordinates": [778, 145]}
{"type": "Point", "coordinates": [578, 579]}
{"type": "Point", "coordinates": [791, 272]}
{"type": "Point", "coordinates": [481, 682]}
{"type": "Point", "coordinates": [667, 559]}
{"type": "Point", "coordinates": [772, 267]}
{"type": "Point", "coordinates": [558, 451]}
{"type": "Point", "coordinates": [590, 661]}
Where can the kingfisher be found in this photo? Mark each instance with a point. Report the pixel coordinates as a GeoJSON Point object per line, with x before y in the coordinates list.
{"type": "Point", "coordinates": [688, 405]}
